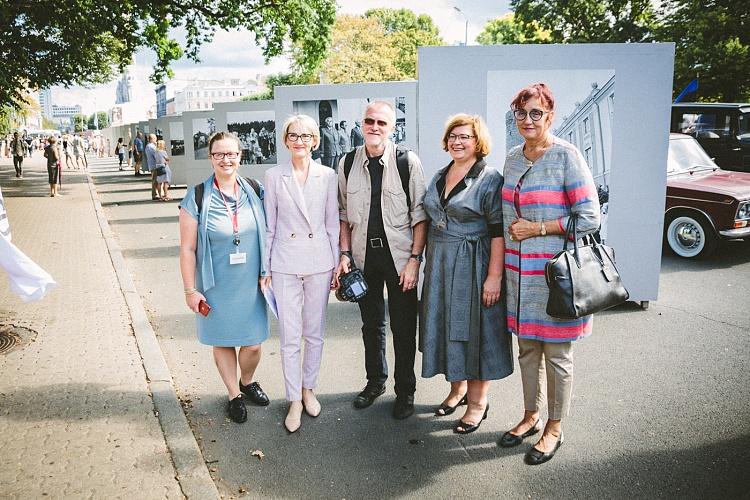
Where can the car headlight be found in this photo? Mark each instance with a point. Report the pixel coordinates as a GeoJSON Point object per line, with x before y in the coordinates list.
{"type": "Point", "coordinates": [743, 212]}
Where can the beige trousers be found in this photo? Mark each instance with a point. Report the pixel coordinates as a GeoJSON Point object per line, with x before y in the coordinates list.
{"type": "Point", "coordinates": [558, 367]}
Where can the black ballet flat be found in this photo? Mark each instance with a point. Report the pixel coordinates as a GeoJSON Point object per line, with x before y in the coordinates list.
{"type": "Point", "coordinates": [536, 457]}
{"type": "Point", "coordinates": [444, 410]}
{"type": "Point", "coordinates": [510, 440]}
{"type": "Point", "coordinates": [464, 428]}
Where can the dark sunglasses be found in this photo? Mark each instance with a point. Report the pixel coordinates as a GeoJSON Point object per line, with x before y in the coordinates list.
{"type": "Point", "coordinates": [372, 121]}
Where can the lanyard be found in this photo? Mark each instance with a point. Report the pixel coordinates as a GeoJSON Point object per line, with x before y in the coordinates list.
{"type": "Point", "coordinates": [232, 215]}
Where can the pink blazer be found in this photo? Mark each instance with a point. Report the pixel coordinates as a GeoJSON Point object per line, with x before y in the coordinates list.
{"type": "Point", "coordinates": [303, 221]}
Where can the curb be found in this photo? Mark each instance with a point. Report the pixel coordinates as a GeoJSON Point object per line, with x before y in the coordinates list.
{"type": "Point", "coordinates": [192, 472]}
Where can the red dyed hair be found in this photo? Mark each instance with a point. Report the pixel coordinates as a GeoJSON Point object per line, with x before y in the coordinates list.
{"type": "Point", "coordinates": [539, 90]}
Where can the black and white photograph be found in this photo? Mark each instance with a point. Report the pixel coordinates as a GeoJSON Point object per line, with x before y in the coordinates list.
{"type": "Point", "coordinates": [256, 131]}
{"type": "Point", "coordinates": [203, 129]}
{"type": "Point", "coordinates": [176, 139]}
{"type": "Point", "coordinates": [584, 115]}
{"type": "Point", "coordinates": [340, 122]}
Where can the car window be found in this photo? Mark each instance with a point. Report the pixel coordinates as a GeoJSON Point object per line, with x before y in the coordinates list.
{"type": "Point", "coordinates": [685, 153]}
{"type": "Point", "coordinates": [709, 125]}
{"type": "Point", "coordinates": [743, 129]}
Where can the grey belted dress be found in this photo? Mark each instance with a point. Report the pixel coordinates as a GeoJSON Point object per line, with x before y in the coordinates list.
{"type": "Point", "coordinates": [458, 336]}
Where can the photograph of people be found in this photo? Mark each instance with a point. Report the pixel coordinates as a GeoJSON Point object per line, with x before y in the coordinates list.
{"type": "Point", "coordinates": [302, 250]}
{"type": "Point", "coordinates": [462, 325]}
{"type": "Point", "coordinates": [222, 240]}
{"type": "Point", "coordinates": [547, 181]}
{"type": "Point", "coordinates": [383, 232]}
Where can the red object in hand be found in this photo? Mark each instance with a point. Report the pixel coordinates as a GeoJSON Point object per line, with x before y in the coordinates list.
{"type": "Point", "coordinates": [204, 308]}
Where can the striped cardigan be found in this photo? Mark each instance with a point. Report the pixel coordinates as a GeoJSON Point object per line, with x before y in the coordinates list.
{"type": "Point", "coordinates": [555, 186]}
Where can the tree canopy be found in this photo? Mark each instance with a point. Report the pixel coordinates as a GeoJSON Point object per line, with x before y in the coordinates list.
{"type": "Point", "coordinates": [508, 30]}
{"type": "Point", "coordinates": [81, 42]}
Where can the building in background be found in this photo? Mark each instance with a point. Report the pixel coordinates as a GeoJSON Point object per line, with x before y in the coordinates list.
{"type": "Point", "coordinates": [45, 103]}
{"type": "Point", "coordinates": [177, 96]}
{"type": "Point", "coordinates": [589, 128]}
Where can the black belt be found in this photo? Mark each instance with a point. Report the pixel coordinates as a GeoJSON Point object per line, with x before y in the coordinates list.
{"type": "Point", "coordinates": [376, 242]}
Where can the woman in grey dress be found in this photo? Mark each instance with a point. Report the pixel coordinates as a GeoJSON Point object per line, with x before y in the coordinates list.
{"type": "Point", "coordinates": [462, 325]}
{"type": "Point", "coordinates": [222, 239]}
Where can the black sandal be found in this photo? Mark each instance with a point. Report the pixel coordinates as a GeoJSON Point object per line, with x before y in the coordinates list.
{"type": "Point", "coordinates": [444, 410]}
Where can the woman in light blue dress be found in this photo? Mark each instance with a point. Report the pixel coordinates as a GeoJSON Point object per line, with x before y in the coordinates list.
{"type": "Point", "coordinates": [222, 238]}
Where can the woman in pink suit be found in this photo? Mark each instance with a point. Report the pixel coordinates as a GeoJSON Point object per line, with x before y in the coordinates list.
{"type": "Point", "coordinates": [302, 250]}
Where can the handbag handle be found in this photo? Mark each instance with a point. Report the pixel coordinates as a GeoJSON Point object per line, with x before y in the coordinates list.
{"type": "Point", "coordinates": [572, 228]}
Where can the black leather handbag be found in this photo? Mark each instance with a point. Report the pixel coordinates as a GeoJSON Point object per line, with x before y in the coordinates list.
{"type": "Point", "coordinates": [582, 280]}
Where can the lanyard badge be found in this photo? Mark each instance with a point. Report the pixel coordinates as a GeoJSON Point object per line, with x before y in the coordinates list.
{"type": "Point", "coordinates": [237, 257]}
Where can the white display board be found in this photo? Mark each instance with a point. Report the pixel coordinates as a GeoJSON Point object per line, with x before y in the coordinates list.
{"type": "Point", "coordinates": [198, 126]}
{"type": "Point", "coordinates": [612, 101]}
{"type": "Point", "coordinates": [175, 141]}
{"type": "Point", "coordinates": [254, 123]}
{"type": "Point", "coordinates": [347, 103]}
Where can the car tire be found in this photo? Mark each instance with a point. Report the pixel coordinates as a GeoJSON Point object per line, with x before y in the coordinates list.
{"type": "Point", "coordinates": [690, 236]}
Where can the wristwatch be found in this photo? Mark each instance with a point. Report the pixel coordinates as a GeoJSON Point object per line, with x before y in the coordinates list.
{"type": "Point", "coordinates": [417, 256]}
{"type": "Point", "coordinates": [543, 229]}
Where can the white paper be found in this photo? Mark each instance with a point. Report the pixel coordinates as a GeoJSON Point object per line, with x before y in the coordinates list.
{"type": "Point", "coordinates": [271, 301]}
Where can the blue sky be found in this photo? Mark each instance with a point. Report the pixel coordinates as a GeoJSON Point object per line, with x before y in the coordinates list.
{"type": "Point", "coordinates": [234, 54]}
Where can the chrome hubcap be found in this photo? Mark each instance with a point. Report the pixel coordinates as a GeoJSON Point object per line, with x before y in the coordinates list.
{"type": "Point", "coordinates": [688, 236]}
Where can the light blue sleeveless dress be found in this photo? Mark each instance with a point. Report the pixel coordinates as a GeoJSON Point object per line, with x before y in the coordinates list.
{"type": "Point", "coordinates": [238, 314]}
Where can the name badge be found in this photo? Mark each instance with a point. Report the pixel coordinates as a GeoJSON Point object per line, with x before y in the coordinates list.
{"type": "Point", "coordinates": [237, 258]}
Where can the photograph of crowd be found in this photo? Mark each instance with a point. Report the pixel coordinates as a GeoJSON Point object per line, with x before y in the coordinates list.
{"type": "Point", "coordinates": [203, 129]}
{"type": "Point", "coordinates": [340, 122]}
{"type": "Point", "coordinates": [177, 139]}
{"type": "Point", "coordinates": [584, 115]}
{"type": "Point", "coordinates": [256, 131]}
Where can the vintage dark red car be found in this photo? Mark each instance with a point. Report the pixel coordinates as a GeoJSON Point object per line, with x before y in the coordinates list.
{"type": "Point", "coordinates": [705, 204]}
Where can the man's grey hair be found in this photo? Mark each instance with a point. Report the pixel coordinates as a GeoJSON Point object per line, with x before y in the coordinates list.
{"type": "Point", "coordinates": [383, 104]}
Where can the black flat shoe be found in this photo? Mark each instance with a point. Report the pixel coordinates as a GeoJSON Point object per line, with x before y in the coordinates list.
{"type": "Point", "coordinates": [368, 395]}
{"type": "Point", "coordinates": [510, 440]}
{"type": "Point", "coordinates": [536, 457]}
{"type": "Point", "coordinates": [464, 428]}
{"type": "Point", "coordinates": [403, 407]}
{"type": "Point", "coordinates": [444, 410]}
{"type": "Point", "coordinates": [236, 410]}
{"type": "Point", "coordinates": [255, 393]}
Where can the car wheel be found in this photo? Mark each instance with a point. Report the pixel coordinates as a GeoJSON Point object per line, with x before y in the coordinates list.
{"type": "Point", "coordinates": [690, 236]}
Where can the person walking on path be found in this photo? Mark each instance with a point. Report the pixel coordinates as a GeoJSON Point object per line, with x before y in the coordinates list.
{"type": "Point", "coordinates": [163, 172]}
{"type": "Point", "coordinates": [303, 248]}
{"type": "Point", "coordinates": [138, 152]}
{"type": "Point", "coordinates": [52, 154]}
{"type": "Point", "coordinates": [78, 152]}
{"type": "Point", "coordinates": [18, 150]}
{"type": "Point", "coordinates": [120, 150]}
{"type": "Point", "coordinates": [222, 240]}
{"type": "Point", "coordinates": [151, 160]}
{"type": "Point", "coordinates": [383, 229]}
{"type": "Point", "coordinates": [462, 326]}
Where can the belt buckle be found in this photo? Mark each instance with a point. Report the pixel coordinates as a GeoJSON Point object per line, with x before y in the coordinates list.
{"type": "Point", "coordinates": [376, 242]}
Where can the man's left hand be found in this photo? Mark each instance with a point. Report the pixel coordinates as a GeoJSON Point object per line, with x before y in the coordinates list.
{"type": "Point", "coordinates": [409, 276]}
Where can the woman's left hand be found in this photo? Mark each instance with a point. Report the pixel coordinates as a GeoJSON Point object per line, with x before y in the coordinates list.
{"type": "Point", "coordinates": [521, 229]}
{"type": "Point", "coordinates": [491, 290]}
{"type": "Point", "coordinates": [264, 282]}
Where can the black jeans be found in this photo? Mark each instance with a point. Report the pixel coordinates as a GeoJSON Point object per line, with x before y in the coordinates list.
{"type": "Point", "coordinates": [379, 270]}
{"type": "Point", "coordinates": [18, 164]}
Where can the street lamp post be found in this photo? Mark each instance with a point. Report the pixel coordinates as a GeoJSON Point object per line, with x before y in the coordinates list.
{"type": "Point", "coordinates": [466, 28]}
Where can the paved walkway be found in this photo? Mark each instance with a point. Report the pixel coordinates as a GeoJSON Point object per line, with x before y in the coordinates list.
{"type": "Point", "coordinates": [660, 405]}
{"type": "Point", "coordinates": [76, 412]}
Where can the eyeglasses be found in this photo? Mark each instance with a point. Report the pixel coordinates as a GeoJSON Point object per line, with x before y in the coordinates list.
{"type": "Point", "coordinates": [373, 121]}
{"type": "Point", "coordinates": [460, 137]}
{"type": "Point", "coordinates": [293, 137]}
{"type": "Point", "coordinates": [535, 114]}
{"type": "Point", "coordinates": [221, 156]}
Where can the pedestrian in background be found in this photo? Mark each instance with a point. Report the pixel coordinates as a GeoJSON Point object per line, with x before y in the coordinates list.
{"type": "Point", "coordinates": [222, 240]}
{"type": "Point", "coordinates": [18, 149]}
{"type": "Point", "coordinates": [52, 154]}
{"type": "Point", "coordinates": [163, 172]}
{"type": "Point", "coordinates": [120, 149]}
{"type": "Point", "coordinates": [150, 164]}
{"type": "Point", "coordinates": [138, 152]}
{"type": "Point", "coordinates": [303, 248]}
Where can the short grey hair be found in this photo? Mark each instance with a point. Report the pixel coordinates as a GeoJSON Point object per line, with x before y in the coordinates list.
{"type": "Point", "coordinates": [383, 104]}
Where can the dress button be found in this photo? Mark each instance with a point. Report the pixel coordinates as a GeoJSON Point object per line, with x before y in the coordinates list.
{"type": "Point", "coordinates": [309, 235]}
{"type": "Point", "coordinates": [294, 235]}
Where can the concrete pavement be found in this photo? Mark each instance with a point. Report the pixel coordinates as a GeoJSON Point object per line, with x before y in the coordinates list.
{"type": "Point", "coordinates": [660, 403]}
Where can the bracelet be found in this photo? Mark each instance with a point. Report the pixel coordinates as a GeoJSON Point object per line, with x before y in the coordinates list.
{"type": "Point", "coordinates": [191, 291]}
{"type": "Point", "coordinates": [347, 253]}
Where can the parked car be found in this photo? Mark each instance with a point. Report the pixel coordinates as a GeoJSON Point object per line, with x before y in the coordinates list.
{"type": "Point", "coordinates": [705, 204]}
{"type": "Point", "coordinates": [723, 129]}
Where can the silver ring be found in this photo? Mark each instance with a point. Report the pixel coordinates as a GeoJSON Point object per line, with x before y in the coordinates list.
{"type": "Point", "coordinates": [511, 237]}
